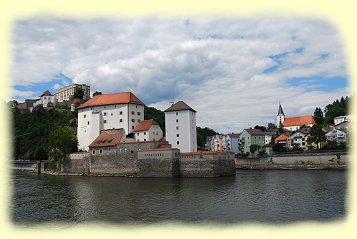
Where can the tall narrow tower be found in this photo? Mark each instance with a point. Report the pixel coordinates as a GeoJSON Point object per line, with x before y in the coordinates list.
{"type": "Point", "coordinates": [180, 124]}
{"type": "Point", "coordinates": [280, 118]}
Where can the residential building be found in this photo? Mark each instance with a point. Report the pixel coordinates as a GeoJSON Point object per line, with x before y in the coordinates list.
{"type": "Point", "coordinates": [268, 135]}
{"type": "Point", "coordinates": [299, 138]}
{"type": "Point", "coordinates": [283, 139]}
{"type": "Point", "coordinates": [66, 93]}
{"type": "Point", "coordinates": [26, 106]}
{"type": "Point", "coordinates": [180, 123]}
{"type": "Point", "coordinates": [294, 123]}
{"type": "Point", "coordinates": [147, 130]}
{"type": "Point", "coordinates": [232, 142]}
{"type": "Point", "coordinates": [108, 111]}
{"type": "Point", "coordinates": [340, 119]}
{"type": "Point", "coordinates": [343, 126]}
{"type": "Point", "coordinates": [336, 135]}
{"type": "Point", "coordinates": [249, 137]}
{"type": "Point", "coordinates": [208, 145]}
{"type": "Point", "coordinates": [46, 100]}
{"type": "Point", "coordinates": [217, 143]}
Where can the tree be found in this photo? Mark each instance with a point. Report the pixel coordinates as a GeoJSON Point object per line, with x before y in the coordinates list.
{"type": "Point", "coordinates": [78, 93]}
{"type": "Point", "coordinates": [97, 93]}
{"type": "Point", "coordinates": [317, 135]}
{"type": "Point", "coordinates": [253, 148]}
{"type": "Point", "coordinates": [63, 139]}
{"type": "Point", "coordinates": [278, 147]}
{"type": "Point", "coordinates": [281, 129]}
{"type": "Point", "coordinates": [262, 128]}
{"type": "Point", "coordinates": [318, 116]}
{"type": "Point", "coordinates": [271, 126]}
{"type": "Point", "coordinates": [202, 134]}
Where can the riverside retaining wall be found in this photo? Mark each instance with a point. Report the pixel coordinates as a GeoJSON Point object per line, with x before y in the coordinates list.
{"type": "Point", "coordinates": [302, 161]}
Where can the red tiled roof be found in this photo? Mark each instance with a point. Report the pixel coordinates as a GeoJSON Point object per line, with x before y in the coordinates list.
{"type": "Point", "coordinates": [144, 125]}
{"type": "Point", "coordinates": [112, 99]}
{"type": "Point", "coordinates": [46, 93]}
{"type": "Point", "coordinates": [299, 120]}
{"type": "Point", "coordinates": [107, 138]}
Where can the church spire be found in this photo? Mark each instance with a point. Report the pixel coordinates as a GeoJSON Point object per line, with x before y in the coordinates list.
{"type": "Point", "coordinates": [280, 112]}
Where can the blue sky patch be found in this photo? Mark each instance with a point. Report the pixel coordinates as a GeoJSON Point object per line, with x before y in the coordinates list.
{"type": "Point", "coordinates": [319, 83]}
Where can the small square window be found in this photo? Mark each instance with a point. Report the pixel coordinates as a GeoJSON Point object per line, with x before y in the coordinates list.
{"type": "Point", "coordinates": [101, 151]}
{"type": "Point", "coordinates": [177, 127]}
{"type": "Point", "coordinates": [132, 112]}
{"type": "Point", "coordinates": [177, 135]}
{"type": "Point", "coordinates": [132, 120]}
{"type": "Point", "coordinates": [120, 120]}
{"type": "Point", "coordinates": [132, 127]}
{"type": "Point", "coordinates": [88, 122]}
{"type": "Point", "coordinates": [176, 113]}
{"type": "Point", "coordinates": [144, 133]}
{"type": "Point", "coordinates": [111, 114]}
{"type": "Point", "coordinates": [144, 139]}
{"type": "Point", "coordinates": [105, 121]}
{"type": "Point", "coordinates": [178, 142]}
{"type": "Point", "coordinates": [105, 113]}
{"type": "Point", "coordinates": [176, 120]}
{"type": "Point", "coordinates": [138, 113]}
{"type": "Point", "coordinates": [93, 151]}
{"type": "Point", "coordinates": [121, 112]}
{"type": "Point", "coordinates": [137, 134]}
{"type": "Point", "coordinates": [85, 116]}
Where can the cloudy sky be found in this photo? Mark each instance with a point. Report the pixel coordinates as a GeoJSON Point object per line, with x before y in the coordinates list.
{"type": "Point", "coordinates": [234, 72]}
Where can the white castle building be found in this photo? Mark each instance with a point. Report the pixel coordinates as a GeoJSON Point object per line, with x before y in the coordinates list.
{"type": "Point", "coordinates": [45, 99]}
{"type": "Point", "coordinates": [180, 123]}
{"type": "Point", "coordinates": [109, 111]}
{"type": "Point", "coordinates": [65, 93]}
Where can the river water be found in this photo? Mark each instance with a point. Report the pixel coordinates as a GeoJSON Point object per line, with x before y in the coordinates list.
{"type": "Point", "coordinates": [249, 196]}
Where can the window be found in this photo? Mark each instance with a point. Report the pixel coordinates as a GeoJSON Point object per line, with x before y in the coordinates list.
{"type": "Point", "coordinates": [132, 112]}
{"type": "Point", "coordinates": [132, 127]}
{"type": "Point", "coordinates": [177, 135]}
{"type": "Point", "coordinates": [144, 133]}
{"type": "Point", "coordinates": [85, 116]}
{"type": "Point", "coordinates": [105, 121]}
{"type": "Point", "coordinates": [111, 114]}
{"type": "Point", "coordinates": [101, 151]}
{"type": "Point", "coordinates": [144, 139]}
{"type": "Point", "coordinates": [132, 120]}
{"type": "Point", "coordinates": [177, 127]}
{"type": "Point", "coordinates": [121, 112]}
{"type": "Point", "coordinates": [138, 120]}
{"type": "Point", "coordinates": [137, 134]}
{"type": "Point", "coordinates": [88, 122]}
{"type": "Point", "coordinates": [136, 106]}
{"type": "Point", "coordinates": [176, 113]}
{"type": "Point", "coordinates": [93, 151]}
{"type": "Point", "coordinates": [138, 113]}
{"type": "Point", "coordinates": [178, 142]}
{"type": "Point", "coordinates": [121, 120]}
{"type": "Point", "coordinates": [176, 120]}
{"type": "Point", "coordinates": [105, 113]}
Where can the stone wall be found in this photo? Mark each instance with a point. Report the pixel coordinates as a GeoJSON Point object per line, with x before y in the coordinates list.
{"type": "Point", "coordinates": [76, 163]}
{"type": "Point", "coordinates": [297, 161]}
{"type": "Point", "coordinates": [120, 160]}
{"type": "Point", "coordinates": [208, 164]}
{"type": "Point", "coordinates": [158, 163]}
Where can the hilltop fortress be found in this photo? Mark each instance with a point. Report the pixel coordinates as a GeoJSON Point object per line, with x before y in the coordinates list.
{"type": "Point", "coordinates": [119, 142]}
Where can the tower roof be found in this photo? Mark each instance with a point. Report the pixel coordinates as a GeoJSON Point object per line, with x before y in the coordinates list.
{"type": "Point", "coordinates": [46, 93]}
{"type": "Point", "coordinates": [180, 105]}
{"type": "Point", "coordinates": [112, 99]}
{"type": "Point", "coordinates": [280, 112]}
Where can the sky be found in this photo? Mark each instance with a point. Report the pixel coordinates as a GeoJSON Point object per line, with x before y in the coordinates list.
{"type": "Point", "coordinates": [232, 71]}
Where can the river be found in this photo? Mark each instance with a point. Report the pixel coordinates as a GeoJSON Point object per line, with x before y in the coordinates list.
{"type": "Point", "coordinates": [249, 196]}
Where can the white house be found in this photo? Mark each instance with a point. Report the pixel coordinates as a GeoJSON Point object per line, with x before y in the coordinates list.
{"type": "Point", "coordinates": [339, 119]}
{"type": "Point", "coordinates": [217, 143]}
{"type": "Point", "coordinates": [299, 138]}
{"type": "Point", "coordinates": [180, 123]}
{"type": "Point", "coordinates": [45, 99]}
{"type": "Point", "coordinates": [108, 111]}
{"type": "Point", "coordinates": [232, 142]}
{"type": "Point", "coordinates": [147, 130]}
{"type": "Point", "coordinates": [336, 135]}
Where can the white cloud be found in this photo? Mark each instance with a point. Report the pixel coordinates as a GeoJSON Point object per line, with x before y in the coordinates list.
{"type": "Point", "coordinates": [215, 65]}
{"type": "Point", "coordinates": [56, 86]}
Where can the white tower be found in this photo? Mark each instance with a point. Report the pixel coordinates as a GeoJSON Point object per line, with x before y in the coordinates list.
{"type": "Point", "coordinates": [180, 124]}
{"type": "Point", "coordinates": [280, 118]}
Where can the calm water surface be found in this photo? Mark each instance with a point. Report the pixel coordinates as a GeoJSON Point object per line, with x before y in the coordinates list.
{"type": "Point", "coordinates": [249, 196]}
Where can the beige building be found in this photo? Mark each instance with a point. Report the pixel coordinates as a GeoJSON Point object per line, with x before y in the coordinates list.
{"type": "Point", "coordinates": [65, 93]}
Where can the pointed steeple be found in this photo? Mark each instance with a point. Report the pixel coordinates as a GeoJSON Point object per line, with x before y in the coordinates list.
{"type": "Point", "coordinates": [280, 112]}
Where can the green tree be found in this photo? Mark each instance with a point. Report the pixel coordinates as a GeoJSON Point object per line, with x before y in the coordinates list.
{"type": "Point", "coordinates": [97, 93]}
{"type": "Point", "coordinates": [318, 116]}
{"type": "Point", "coordinates": [202, 134]}
{"type": "Point", "coordinates": [271, 126]}
{"type": "Point", "coordinates": [317, 135]}
{"type": "Point", "coordinates": [253, 148]}
{"type": "Point", "coordinates": [78, 93]}
{"type": "Point", "coordinates": [262, 128]}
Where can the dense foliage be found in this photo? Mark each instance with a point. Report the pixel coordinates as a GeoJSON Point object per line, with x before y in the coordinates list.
{"type": "Point", "coordinates": [32, 131]}
{"type": "Point", "coordinates": [202, 133]}
{"type": "Point", "coordinates": [337, 108]}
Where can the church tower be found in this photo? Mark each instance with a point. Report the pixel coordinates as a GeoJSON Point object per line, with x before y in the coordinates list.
{"type": "Point", "coordinates": [280, 118]}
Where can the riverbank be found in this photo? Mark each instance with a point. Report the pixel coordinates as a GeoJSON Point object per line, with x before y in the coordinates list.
{"type": "Point", "coordinates": [301, 161]}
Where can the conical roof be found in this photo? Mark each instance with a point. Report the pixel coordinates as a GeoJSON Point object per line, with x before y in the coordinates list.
{"type": "Point", "coordinates": [280, 112]}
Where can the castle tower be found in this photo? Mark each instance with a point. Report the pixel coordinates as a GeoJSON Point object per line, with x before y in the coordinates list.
{"type": "Point", "coordinates": [180, 124]}
{"type": "Point", "coordinates": [280, 118]}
